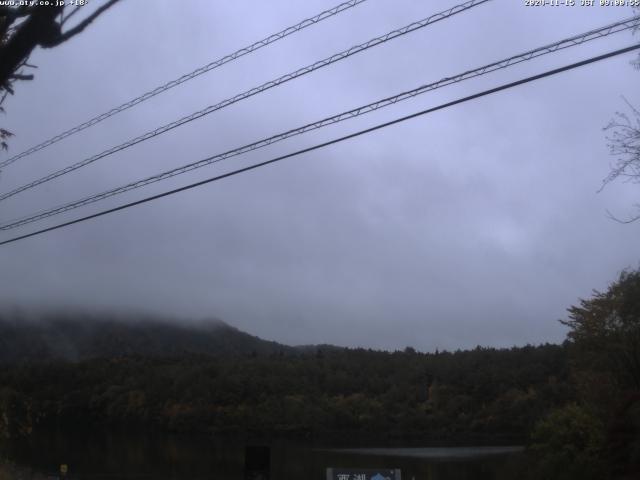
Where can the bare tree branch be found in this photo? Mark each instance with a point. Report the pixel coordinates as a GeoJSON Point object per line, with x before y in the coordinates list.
{"type": "Point", "coordinates": [71, 14]}
{"type": "Point", "coordinates": [15, 12]}
{"type": "Point", "coordinates": [63, 37]}
{"type": "Point", "coordinates": [38, 26]}
{"type": "Point", "coordinates": [26, 27]}
{"type": "Point", "coordinates": [624, 145]}
{"type": "Point", "coordinates": [611, 216]}
{"type": "Point", "coordinates": [19, 76]}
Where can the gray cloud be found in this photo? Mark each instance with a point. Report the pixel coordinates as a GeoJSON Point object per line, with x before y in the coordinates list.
{"type": "Point", "coordinates": [478, 224]}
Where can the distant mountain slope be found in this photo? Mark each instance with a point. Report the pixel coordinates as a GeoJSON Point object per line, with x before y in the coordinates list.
{"type": "Point", "coordinates": [80, 336]}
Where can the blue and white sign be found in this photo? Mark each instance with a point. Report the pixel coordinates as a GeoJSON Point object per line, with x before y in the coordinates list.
{"type": "Point", "coordinates": [363, 474]}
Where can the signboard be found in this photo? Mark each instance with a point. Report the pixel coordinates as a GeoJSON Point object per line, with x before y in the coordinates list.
{"type": "Point", "coordinates": [363, 474]}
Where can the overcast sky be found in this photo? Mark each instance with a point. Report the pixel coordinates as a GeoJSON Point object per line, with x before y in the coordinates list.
{"type": "Point", "coordinates": [478, 224]}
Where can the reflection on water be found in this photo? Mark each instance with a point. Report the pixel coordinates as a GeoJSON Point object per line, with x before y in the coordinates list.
{"type": "Point", "coordinates": [165, 457]}
{"type": "Point", "coordinates": [439, 453]}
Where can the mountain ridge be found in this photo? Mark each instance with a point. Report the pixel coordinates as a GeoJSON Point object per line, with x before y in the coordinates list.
{"type": "Point", "coordinates": [77, 336]}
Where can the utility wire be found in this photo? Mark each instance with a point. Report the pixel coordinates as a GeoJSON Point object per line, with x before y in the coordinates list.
{"type": "Point", "coordinates": [254, 91]}
{"type": "Point", "coordinates": [506, 86]}
{"type": "Point", "coordinates": [513, 60]}
{"type": "Point", "coordinates": [184, 78]}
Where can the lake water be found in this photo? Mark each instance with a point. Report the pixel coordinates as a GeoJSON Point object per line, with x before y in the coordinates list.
{"type": "Point", "coordinates": [164, 457]}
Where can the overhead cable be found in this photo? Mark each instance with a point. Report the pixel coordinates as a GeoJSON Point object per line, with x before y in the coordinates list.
{"type": "Point", "coordinates": [186, 77]}
{"type": "Point", "coordinates": [328, 143]}
{"type": "Point", "coordinates": [249, 93]}
{"type": "Point", "coordinates": [371, 107]}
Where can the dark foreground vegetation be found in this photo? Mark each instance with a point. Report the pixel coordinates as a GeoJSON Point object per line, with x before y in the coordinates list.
{"type": "Point", "coordinates": [576, 405]}
{"type": "Point", "coordinates": [403, 394]}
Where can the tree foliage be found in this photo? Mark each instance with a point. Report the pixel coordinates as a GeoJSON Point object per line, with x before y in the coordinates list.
{"type": "Point", "coordinates": [601, 434]}
{"type": "Point", "coordinates": [483, 393]}
{"type": "Point", "coordinates": [605, 333]}
{"type": "Point", "coordinates": [568, 445]}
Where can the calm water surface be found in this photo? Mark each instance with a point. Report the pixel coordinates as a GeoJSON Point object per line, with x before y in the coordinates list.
{"type": "Point", "coordinates": [162, 457]}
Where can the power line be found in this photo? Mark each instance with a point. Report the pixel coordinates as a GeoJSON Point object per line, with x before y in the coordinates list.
{"type": "Point", "coordinates": [330, 142]}
{"type": "Point", "coordinates": [510, 61]}
{"type": "Point", "coordinates": [254, 91]}
{"type": "Point", "coordinates": [184, 78]}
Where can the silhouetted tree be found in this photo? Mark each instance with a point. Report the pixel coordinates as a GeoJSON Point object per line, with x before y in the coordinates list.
{"type": "Point", "coordinates": [605, 331]}
{"type": "Point", "coordinates": [605, 348]}
{"type": "Point", "coordinates": [25, 27]}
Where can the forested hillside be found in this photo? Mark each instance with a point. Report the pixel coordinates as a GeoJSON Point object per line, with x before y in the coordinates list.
{"type": "Point", "coordinates": [576, 405]}
{"type": "Point", "coordinates": [483, 393]}
{"type": "Point", "coordinates": [77, 336]}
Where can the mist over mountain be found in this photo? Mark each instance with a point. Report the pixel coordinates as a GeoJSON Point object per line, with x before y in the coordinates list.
{"type": "Point", "coordinates": [77, 336]}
